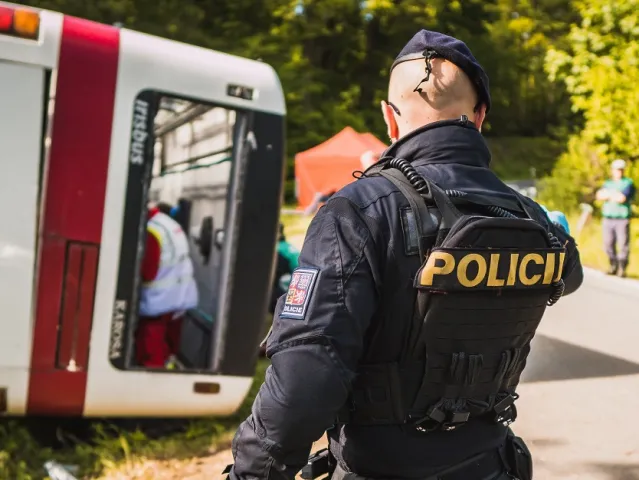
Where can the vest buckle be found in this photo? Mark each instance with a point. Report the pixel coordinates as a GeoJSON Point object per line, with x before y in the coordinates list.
{"type": "Point", "coordinates": [436, 418]}
{"type": "Point", "coordinates": [455, 420]}
{"type": "Point", "coordinates": [505, 410]}
{"type": "Point", "coordinates": [430, 422]}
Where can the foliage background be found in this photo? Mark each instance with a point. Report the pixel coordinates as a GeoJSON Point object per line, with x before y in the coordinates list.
{"type": "Point", "coordinates": [599, 65]}
{"type": "Point", "coordinates": [333, 57]}
{"type": "Point", "coordinates": [564, 81]}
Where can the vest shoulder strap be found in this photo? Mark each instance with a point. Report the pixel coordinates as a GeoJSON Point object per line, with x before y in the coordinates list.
{"type": "Point", "coordinates": [485, 200]}
{"type": "Point", "coordinates": [423, 221]}
{"type": "Point", "coordinates": [431, 194]}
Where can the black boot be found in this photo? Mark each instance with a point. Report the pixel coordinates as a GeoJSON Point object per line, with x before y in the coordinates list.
{"type": "Point", "coordinates": [621, 271]}
{"type": "Point", "coordinates": [614, 267]}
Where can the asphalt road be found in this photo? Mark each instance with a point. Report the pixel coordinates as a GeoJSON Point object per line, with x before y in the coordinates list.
{"type": "Point", "coordinates": [580, 390]}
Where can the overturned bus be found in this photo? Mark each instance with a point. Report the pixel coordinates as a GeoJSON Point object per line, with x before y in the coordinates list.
{"type": "Point", "coordinates": [104, 122]}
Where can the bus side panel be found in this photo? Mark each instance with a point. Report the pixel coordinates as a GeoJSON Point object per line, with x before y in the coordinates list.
{"type": "Point", "coordinates": [72, 216]}
{"type": "Point", "coordinates": [149, 63]}
{"type": "Point", "coordinates": [43, 53]}
{"type": "Point", "coordinates": [23, 104]}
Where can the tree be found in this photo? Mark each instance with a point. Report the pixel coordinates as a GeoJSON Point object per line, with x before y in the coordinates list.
{"type": "Point", "coordinates": [527, 103]}
{"type": "Point", "coordinates": [601, 72]}
{"type": "Point", "coordinates": [333, 56]}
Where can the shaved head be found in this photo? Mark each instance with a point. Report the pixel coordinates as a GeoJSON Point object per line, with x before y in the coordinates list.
{"type": "Point", "coordinates": [448, 94]}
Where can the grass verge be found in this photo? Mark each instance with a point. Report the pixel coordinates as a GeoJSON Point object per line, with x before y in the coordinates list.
{"type": "Point", "coordinates": [295, 225]}
{"type": "Point", "coordinates": [590, 243]}
{"type": "Point", "coordinates": [111, 448]}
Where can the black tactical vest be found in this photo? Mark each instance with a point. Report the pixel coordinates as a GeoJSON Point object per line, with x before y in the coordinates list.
{"type": "Point", "coordinates": [482, 291]}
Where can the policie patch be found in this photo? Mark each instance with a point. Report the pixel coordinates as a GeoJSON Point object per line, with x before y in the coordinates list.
{"type": "Point", "coordinates": [299, 293]}
{"type": "Point", "coordinates": [449, 269]}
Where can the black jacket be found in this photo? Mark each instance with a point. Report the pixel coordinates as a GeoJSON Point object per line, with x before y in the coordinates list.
{"type": "Point", "coordinates": [363, 277]}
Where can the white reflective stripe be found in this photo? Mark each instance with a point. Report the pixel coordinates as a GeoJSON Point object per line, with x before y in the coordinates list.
{"type": "Point", "coordinates": [166, 240]}
{"type": "Point", "coordinates": [154, 231]}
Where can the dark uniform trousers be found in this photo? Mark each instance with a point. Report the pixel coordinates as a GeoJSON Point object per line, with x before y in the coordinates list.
{"type": "Point", "coordinates": [356, 307]}
{"type": "Point", "coordinates": [616, 237]}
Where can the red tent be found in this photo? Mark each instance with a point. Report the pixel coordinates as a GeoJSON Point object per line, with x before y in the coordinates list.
{"type": "Point", "coordinates": [329, 166]}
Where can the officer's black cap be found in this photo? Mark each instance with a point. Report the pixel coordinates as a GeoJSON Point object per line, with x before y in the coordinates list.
{"type": "Point", "coordinates": [454, 51]}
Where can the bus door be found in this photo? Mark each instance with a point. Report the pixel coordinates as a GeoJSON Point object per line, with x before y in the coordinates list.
{"type": "Point", "coordinates": [27, 66]}
{"type": "Point", "coordinates": [201, 135]}
{"type": "Point", "coordinates": [21, 141]}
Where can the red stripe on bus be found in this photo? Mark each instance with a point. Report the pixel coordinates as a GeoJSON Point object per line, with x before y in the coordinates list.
{"type": "Point", "coordinates": [73, 210]}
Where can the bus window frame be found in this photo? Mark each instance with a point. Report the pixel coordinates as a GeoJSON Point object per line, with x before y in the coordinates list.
{"type": "Point", "coordinates": [126, 305]}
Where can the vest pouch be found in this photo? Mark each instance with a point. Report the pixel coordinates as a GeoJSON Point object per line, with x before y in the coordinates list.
{"type": "Point", "coordinates": [376, 396]}
{"type": "Point", "coordinates": [519, 458]}
{"type": "Point", "coordinates": [484, 290]}
{"type": "Point", "coordinates": [477, 347]}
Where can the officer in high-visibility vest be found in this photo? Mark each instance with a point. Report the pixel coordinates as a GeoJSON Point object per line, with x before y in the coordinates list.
{"type": "Point", "coordinates": [617, 193]}
{"type": "Point", "coordinates": [168, 291]}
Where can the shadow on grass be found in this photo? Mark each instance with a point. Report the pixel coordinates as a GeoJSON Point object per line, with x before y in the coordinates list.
{"type": "Point", "coordinates": [590, 243]}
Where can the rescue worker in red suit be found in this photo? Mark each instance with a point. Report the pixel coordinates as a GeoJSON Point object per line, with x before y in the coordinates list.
{"type": "Point", "coordinates": [168, 290]}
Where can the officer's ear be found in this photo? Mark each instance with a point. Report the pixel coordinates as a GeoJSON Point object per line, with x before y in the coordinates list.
{"type": "Point", "coordinates": [480, 115]}
{"type": "Point", "coordinates": [391, 123]}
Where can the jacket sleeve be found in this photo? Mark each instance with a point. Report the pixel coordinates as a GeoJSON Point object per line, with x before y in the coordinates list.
{"type": "Point", "coordinates": [314, 345]}
{"type": "Point", "coordinates": [573, 273]}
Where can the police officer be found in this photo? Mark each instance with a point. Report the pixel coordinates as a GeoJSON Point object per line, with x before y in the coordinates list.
{"type": "Point", "coordinates": [352, 349]}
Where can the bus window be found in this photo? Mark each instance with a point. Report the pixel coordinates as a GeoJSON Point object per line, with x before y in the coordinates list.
{"type": "Point", "coordinates": [177, 210]}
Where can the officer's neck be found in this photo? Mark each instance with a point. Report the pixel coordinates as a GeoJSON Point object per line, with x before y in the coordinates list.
{"type": "Point", "coordinates": [445, 141]}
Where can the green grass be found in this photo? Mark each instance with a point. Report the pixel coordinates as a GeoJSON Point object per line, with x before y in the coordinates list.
{"type": "Point", "coordinates": [295, 225]}
{"type": "Point", "coordinates": [21, 458]}
{"type": "Point", "coordinates": [590, 244]}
